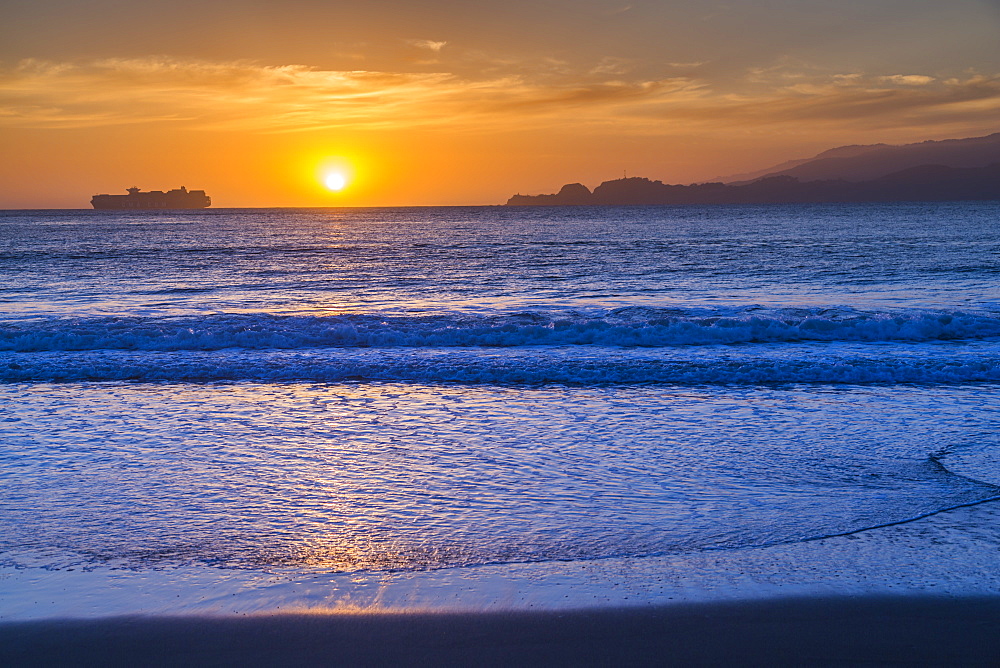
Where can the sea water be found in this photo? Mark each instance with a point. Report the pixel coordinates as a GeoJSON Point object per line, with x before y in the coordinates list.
{"type": "Point", "coordinates": [358, 391]}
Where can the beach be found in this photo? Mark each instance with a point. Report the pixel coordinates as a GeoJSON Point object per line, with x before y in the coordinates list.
{"type": "Point", "coordinates": [911, 630]}
{"type": "Point", "coordinates": [921, 593]}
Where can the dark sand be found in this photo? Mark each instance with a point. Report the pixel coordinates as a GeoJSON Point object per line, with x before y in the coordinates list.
{"type": "Point", "coordinates": [906, 630]}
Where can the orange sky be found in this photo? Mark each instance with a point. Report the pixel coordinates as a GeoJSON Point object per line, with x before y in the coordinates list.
{"type": "Point", "coordinates": [446, 102]}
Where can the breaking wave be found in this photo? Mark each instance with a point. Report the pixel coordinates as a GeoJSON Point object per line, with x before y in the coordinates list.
{"type": "Point", "coordinates": [518, 367]}
{"type": "Point", "coordinates": [625, 327]}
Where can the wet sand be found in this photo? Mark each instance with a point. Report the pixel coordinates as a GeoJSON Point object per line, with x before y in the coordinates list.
{"type": "Point", "coordinates": [903, 630]}
{"type": "Point", "coordinates": [922, 593]}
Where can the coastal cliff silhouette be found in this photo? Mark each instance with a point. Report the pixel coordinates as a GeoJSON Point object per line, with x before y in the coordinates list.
{"type": "Point", "coordinates": [867, 162]}
{"type": "Point", "coordinates": [961, 169]}
{"type": "Point", "coordinates": [926, 183]}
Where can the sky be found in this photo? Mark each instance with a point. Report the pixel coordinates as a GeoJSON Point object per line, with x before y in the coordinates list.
{"type": "Point", "coordinates": [442, 102]}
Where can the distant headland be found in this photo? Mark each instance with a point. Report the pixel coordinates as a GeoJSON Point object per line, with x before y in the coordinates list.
{"type": "Point", "coordinates": [958, 169]}
{"type": "Point", "coordinates": [178, 198]}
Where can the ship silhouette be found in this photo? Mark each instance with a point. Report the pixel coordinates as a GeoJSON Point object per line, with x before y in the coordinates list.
{"type": "Point", "coordinates": [179, 198]}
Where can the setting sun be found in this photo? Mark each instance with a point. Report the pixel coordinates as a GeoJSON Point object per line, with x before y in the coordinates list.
{"type": "Point", "coordinates": [335, 181]}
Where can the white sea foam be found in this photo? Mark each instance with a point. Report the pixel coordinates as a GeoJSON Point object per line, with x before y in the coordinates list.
{"type": "Point", "coordinates": [630, 326]}
{"type": "Point", "coordinates": [718, 365]}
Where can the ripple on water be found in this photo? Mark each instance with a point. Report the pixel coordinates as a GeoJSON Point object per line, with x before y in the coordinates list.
{"type": "Point", "coordinates": [354, 476]}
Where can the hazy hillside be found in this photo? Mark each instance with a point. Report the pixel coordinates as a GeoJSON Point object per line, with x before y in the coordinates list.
{"type": "Point", "coordinates": [864, 163]}
{"type": "Point", "coordinates": [839, 152]}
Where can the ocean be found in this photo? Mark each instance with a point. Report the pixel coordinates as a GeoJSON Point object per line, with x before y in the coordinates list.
{"type": "Point", "coordinates": [328, 397]}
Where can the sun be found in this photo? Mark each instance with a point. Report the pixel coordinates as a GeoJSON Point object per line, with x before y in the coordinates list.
{"type": "Point", "coordinates": [335, 181]}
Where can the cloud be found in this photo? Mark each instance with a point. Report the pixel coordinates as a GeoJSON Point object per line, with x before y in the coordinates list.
{"type": "Point", "coordinates": [613, 66]}
{"type": "Point", "coordinates": [238, 95]}
{"type": "Point", "coordinates": [620, 95]}
{"type": "Point", "coordinates": [854, 101]}
{"type": "Point", "coordinates": [908, 79]}
{"type": "Point", "coordinates": [617, 10]}
{"type": "Point", "coordinates": [428, 44]}
{"type": "Point", "coordinates": [247, 96]}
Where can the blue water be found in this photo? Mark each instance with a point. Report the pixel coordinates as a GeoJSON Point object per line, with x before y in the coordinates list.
{"type": "Point", "coordinates": [368, 389]}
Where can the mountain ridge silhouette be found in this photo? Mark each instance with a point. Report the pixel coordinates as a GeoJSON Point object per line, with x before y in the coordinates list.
{"type": "Point", "coordinates": [921, 183]}
{"type": "Point", "coordinates": [953, 169]}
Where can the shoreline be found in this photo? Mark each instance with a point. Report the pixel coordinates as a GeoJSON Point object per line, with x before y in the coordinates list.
{"type": "Point", "coordinates": [951, 553]}
{"type": "Point", "coordinates": [873, 630]}
{"type": "Point", "coordinates": [924, 592]}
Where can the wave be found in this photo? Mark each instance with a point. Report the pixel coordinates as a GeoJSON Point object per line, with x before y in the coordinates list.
{"type": "Point", "coordinates": [624, 327]}
{"type": "Point", "coordinates": [523, 368]}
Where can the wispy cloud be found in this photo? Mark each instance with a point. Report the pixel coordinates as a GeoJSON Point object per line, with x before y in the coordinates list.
{"type": "Point", "coordinates": [428, 44]}
{"type": "Point", "coordinates": [611, 65]}
{"type": "Point", "coordinates": [616, 10]}
{"type": "Point", "coordinates": [908, 79]}
{"type": "Point", "coordinates": [855, 101]}
{"type": "Point", "coordinates": [248, 96]}
{"type": "Point", "coordinates": [244, 95]}
{"type": "Point", "coordinates": [240, 95]}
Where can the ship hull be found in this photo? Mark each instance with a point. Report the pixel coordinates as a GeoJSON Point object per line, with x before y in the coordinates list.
{"type": "Point", "coordinates": [136, 200]}
{"type": "Point", "coordinates": [133, 206]}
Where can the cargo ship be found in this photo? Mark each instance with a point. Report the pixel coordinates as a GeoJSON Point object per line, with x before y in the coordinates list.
{"type": "Point", "coordinates": [179, 198]}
